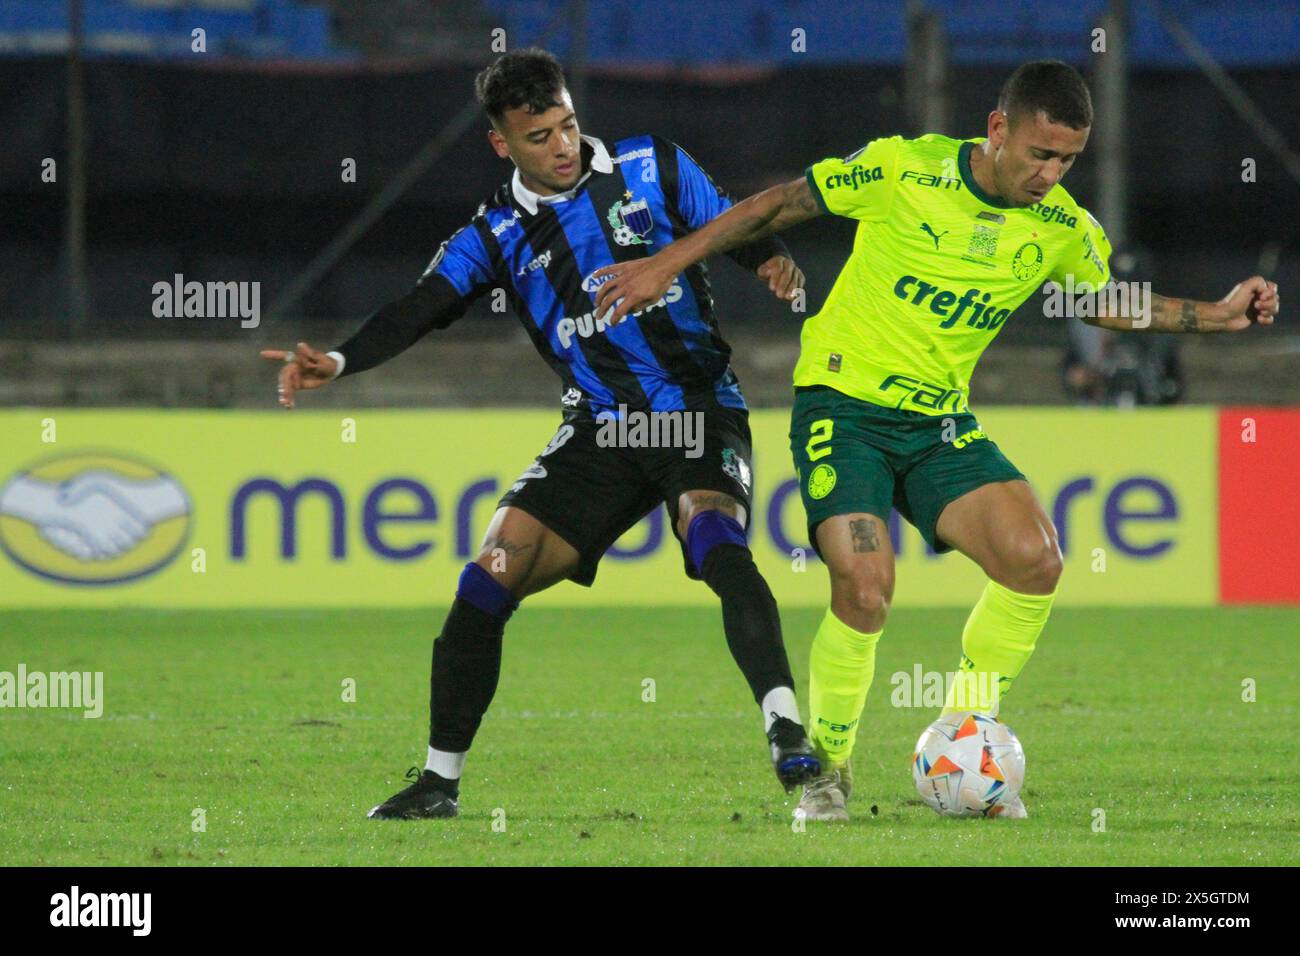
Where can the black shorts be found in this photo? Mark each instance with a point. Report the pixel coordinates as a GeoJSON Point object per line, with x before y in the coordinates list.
{"type": "Point", "coordinates": [590, 487]}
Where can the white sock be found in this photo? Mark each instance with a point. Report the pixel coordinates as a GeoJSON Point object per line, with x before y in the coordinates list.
{"type": "Point", "coordinates": [444, 764]}
{"type": "Point", "coordinates": [779, 702]}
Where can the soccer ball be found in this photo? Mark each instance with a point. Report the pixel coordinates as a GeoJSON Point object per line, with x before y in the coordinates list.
{"type": "Point", "coordinates": [968, 765]}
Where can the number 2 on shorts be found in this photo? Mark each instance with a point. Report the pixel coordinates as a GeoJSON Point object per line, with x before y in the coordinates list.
{"type": "Point", "coordinates": [821, 434]}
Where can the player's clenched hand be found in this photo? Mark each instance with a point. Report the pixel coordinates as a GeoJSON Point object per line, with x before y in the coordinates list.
{"type": "Point", "coordinates": [783, 277]}
{"type": "Point", "coordinates": [631, 287]}
{"type": "Point", "coordinates": [1253, 302]}
{"type": "Point", "coordinates": [303, 368]}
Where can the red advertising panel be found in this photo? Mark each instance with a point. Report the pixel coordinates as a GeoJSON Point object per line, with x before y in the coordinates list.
{"type": "Point", "coordinates": [1259, 511]}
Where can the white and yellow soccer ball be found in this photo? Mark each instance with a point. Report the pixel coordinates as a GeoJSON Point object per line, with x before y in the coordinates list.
{"type": "Point", "coordinates": [968, 765]}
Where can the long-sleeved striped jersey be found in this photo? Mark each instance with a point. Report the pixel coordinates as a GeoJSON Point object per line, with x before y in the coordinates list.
{"type": "Point", "coordinates": [632, 201]}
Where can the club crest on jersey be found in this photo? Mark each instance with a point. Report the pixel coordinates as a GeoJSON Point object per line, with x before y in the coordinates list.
{"type": "Point", "coordinates": [1027, 261]}
{"type": "Point", "coordinates": [735, 466]}
{"type": "Point", "coordinates": [571, 398]}
{"type": "Point", "coordinates": [631, 221]}
{"type": "Point", "coordinates": [821, 482]}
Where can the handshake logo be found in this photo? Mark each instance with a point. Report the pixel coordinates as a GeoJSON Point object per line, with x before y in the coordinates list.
{"type": "Point", "coordinates": [93, 520]}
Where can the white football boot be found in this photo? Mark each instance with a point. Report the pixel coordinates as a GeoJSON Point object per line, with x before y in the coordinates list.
{"type": "Point", "coordinates": [1015, 810]}
{"type": "Point", "coordinates": [825, 796]}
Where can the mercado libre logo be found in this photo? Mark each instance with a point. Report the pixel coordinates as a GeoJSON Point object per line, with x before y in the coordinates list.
{"type": "Point", "coordinates": [93, 518]}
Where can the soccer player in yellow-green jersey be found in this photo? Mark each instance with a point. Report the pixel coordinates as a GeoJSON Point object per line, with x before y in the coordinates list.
{"type": "Point", "coordinates": [952, 236]}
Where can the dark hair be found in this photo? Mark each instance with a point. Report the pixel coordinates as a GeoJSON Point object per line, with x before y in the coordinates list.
{"type": "Point", "coordinates": [1054, 87]}
{"type": "Point", "coordinates": [529, 77]}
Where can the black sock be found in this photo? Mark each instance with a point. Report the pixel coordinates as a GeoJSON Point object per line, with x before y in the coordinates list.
{"type": "Point", "coordinates": [466, 665]}
{"type": "Point", "coordinates": [749, 617]}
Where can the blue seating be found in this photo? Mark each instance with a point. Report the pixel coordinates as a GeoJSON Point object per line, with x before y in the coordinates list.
{"type": "Point", "coordinates": [669, 34]}
{"type": "Point", "coordinates": [273, 29]}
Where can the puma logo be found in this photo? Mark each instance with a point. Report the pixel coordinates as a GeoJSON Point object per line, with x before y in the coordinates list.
{"type": "Point", "coordinates": [925, 228]}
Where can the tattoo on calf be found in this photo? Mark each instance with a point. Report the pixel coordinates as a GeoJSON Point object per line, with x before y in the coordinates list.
{"type": "Point", "coordinates": [864, 535]}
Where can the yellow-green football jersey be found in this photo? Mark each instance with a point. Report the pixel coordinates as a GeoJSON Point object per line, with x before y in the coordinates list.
{"type": "Point", "coordinates": [937, 267]}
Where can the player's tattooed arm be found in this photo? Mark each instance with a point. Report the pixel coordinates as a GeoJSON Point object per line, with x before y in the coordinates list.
{"type": "Point", "coordinates": [1144, 312]}
{"type": "Point", "coordinates": [1253, 302]}
{"type": "Point", "coordinates": [798, 204]}
{"type": "Point", "coordinates": [1176, 315]}
{"type": "Point", "coordinates": [772, 210]}
{"type": "Point", "coordinates": [641, 282]}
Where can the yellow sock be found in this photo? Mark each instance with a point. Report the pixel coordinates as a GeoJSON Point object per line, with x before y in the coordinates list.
{"type": "Point", "coordinates": [841, 666]}
{"type": "Point", "coordinates": [998, 640]}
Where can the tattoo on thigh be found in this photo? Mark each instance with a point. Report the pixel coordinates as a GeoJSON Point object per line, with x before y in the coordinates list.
{"type": "Point", "coordinates": [509, 547]}
{"type": "Point", "coordinates": [864, 535]}
{"type": "Point", "coordinates": [720, 502]}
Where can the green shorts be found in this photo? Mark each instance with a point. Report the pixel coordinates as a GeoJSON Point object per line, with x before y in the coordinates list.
{"type": "Point", "coordinates": [855, 456]}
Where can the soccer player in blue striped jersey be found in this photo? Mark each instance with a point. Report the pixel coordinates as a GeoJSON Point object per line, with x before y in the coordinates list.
{"type": "Point", "coordinates": [575, 205]}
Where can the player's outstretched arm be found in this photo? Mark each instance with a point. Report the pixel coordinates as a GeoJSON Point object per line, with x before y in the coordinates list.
{"type": "Point", "coordinates": [641, 282]}
{"type": "Point", "coordinates": [434, 303]}
{"type": "Point", "coordinates": [303, 368]}
{"type": "Point", "coordinates": [1253, 302]}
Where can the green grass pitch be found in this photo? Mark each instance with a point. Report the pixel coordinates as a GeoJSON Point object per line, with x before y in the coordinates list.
{"type": "Point", "coordinates": [1136, 713]}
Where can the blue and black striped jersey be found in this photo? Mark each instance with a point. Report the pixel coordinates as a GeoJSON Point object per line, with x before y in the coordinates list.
{"type": "Point", "coordinates": [634, 200]}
